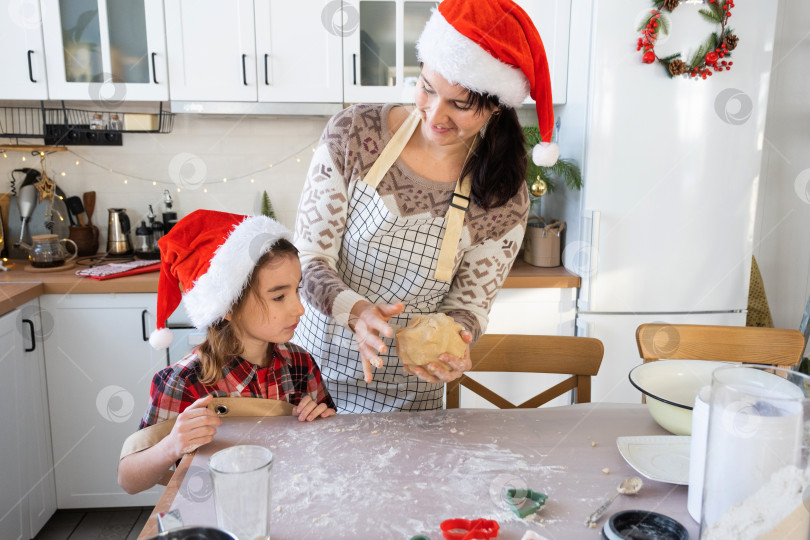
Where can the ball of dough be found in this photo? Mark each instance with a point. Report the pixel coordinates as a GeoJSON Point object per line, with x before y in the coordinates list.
{"type": "Point", "coordinates": [428, 336]}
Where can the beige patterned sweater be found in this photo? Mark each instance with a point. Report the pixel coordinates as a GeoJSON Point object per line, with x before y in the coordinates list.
{"type": "Point", "coordinates": [357, 243]}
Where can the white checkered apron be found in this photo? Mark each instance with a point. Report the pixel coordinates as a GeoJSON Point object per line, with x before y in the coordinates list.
{"type": "Point", "coordinates": [387, 259]}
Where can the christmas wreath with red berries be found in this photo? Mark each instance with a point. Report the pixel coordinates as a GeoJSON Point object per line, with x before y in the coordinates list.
{"type": "Point", "coordinates": [710, 56]}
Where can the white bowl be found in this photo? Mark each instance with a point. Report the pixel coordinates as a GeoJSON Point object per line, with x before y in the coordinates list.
{"type": "Point", "coordinates": [671, 387]}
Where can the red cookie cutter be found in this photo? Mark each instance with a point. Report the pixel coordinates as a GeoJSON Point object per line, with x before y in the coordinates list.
{"type": "Point", "coordinates": [465, 529]}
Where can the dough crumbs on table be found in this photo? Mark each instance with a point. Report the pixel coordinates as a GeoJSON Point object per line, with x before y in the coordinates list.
{"type": "Point", "coordinates": [593, 443]}
{"type": "Point", "coordinates": [453, 430]}
{"type": "Point", "coordinates": [606, 470]}
{"type": "Point", "coordinates": [592, 525]}
{"type": "Point", "coordinates": [375, 432]}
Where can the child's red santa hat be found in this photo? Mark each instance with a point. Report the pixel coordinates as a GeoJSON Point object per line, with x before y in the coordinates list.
{"type": "Point", "coordinates": [492, 47]}
{"type": "Point", "coordinates": [210, 256]}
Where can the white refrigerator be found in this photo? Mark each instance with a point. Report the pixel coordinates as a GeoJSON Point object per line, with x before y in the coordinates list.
{"type": "Point", "coordinates": [671, 169]}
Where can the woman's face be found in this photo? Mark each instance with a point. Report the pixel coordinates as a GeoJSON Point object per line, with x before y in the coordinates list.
{"type": "Point", "coordinates": [446, 117]}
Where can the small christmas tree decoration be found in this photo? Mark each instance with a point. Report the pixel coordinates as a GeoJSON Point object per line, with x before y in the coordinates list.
{"type": "Point", "coordinates": [708, 58]}
{"type": "Point", "coordinates": [267, 206]}
{"type": "Point", "coordinates": [542, 179]}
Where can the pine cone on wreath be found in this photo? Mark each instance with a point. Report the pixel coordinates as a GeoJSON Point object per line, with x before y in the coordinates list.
{"type": "Point", "coordinates": [731, 41]}
{"type": "Point", "coordinates": [670, 4]}
{"type": "Point", "coordinates": [677, 67]}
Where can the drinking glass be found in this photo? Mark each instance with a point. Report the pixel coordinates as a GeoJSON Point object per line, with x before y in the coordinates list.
{"type": "Point", "coordinates": [242, 489]}
{"type": "Point", "coordinates": [756, 477]}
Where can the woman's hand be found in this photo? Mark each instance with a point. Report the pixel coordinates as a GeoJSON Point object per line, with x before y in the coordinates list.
{"type": "Point", "coordinates": [370, 321]}
{"type": "Point", "coordinates": [447, 368]}
{"type": "Point", "coordinates": [193, 428]}
{"type": "Point", "coordinates": [308, 410]}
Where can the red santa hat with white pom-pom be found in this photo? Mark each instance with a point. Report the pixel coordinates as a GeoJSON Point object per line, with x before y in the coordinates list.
{"type": "Point", "coordinates": [492, 47]}
{"type": "Point", "coordinates": [206, 261]}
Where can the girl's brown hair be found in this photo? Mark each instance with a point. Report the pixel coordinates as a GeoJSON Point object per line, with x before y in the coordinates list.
{"type": "Point", "coordinates": [222, 344]}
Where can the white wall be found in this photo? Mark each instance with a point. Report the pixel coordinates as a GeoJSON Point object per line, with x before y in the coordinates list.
{"type": "Point", "coordinates": [225, 147]}
{"type": "Point", "coordinates": [782, 236]}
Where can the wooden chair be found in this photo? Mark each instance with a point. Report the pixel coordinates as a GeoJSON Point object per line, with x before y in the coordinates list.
{"type": "Point", "coordinates": [578, 356]}
{"type": "Point", "coordinates": [745, 344]}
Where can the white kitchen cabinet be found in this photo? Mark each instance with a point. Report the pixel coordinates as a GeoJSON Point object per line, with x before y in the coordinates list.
{"type": "Point", "coordinates": [28, 496]}
{"type": "Point", "coordinates": [542, 311]}
{"type": "Point", "coordinates": [379, 46]}
{"type": "Point", "coordinates": [212, 50]}
{"type": "Point", "coordinates": [298, 52]}
{"type": "Point", "coordinates": [99, 371]}
{"type": "Point", "coordinates": [270, 51]}
{"type": "Point", "coordinates": [106, 51]}
{"type": "Point", "coordinates": [41, 486]}
{"type": "Point", "coordinates": [23, 60]}
{"type": "Point", "coordinates": [379, 49]}
{"type": "Point", "coordinates": [14, 522]}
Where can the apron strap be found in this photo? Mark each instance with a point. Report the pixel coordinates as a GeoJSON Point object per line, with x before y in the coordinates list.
{"type": "Point", "coordinates": [392, 150]}
{"type": "Point", "coordinates": [224, 407]}
{"type": "Point", "coordinates": [458, 204]}
{"type": "Point", "coordinates": [452, 233]}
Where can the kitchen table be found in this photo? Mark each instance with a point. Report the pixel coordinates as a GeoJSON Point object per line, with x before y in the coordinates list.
{"type": "Point", "coordinates": [397, 475]}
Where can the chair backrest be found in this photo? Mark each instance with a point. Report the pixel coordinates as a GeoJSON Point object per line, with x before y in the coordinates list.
{"type": "Point", "coordinates": [745, 344]}
{"type": "Point", "coordinates": [513, 353]}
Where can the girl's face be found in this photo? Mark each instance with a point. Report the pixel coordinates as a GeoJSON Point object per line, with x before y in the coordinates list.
{"type": "Point", "coordinates": [274, 315]}
{"type": "Point", "coordinates": [446, 117]}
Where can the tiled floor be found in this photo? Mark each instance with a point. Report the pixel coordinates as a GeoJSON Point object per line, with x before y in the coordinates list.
{"type": "Point", "coordinates": [109, 524]}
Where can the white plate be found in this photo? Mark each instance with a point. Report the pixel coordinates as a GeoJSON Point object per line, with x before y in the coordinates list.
{"type": "Point", "coordinates": [664, 458]}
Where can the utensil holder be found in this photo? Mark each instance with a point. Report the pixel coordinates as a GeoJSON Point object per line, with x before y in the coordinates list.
{"type": "Point", "coordinates": [86, 238]}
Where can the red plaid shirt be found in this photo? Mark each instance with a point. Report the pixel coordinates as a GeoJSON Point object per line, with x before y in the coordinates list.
{"type": "Point", "coordinates": [290, 374]}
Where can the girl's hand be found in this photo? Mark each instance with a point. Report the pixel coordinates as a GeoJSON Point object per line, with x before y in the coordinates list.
{"type": "Point", "coordinates": [369, 321]}
{"type": "Point", "coordinates": [193, 428]}
{"type": "Point", "coordinates": [308, 410]}
{"type": "Point", "coordinates": [447, 368]}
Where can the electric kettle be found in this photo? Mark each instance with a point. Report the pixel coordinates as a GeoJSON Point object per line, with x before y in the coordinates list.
{"type": "Point", "coordinates": [118, 242]}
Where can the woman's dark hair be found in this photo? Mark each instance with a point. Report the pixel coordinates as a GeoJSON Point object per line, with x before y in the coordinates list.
{"type": "Point", "coordinates": [498, 166]}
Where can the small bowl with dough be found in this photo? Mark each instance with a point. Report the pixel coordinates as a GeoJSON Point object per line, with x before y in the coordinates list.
{"type": "Point", "coordinates": [428, 336]}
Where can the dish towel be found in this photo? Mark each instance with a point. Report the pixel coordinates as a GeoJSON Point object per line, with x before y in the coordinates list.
{"type": "Point", "coordinates": [116, 270]}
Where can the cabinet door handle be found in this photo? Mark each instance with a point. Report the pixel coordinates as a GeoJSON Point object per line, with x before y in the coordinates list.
{"type": "Point", "coordinates": [30, 67]}
{"type": "Point", "coordinates": [33, 337]}
{"type": "Point", "coordinates": [354, 68]}
{"type": "Point", "coordinates": [266, 81]}
{"type": "Point", "coordinates": [144, 313]}
{"type": "Point", "coordinates": [154, 73]}
{"type": "Point", "coordinates": [244, 70]}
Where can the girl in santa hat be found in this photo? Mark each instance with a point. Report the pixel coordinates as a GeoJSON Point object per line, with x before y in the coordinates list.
{"type": "Point", "coordinates": [240, 276]}
{"type": "Point", "coordinates": [420, 209]}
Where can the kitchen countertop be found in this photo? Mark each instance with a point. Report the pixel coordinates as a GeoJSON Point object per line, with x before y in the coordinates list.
{"type": "Point", "coordinates": [18, 286]}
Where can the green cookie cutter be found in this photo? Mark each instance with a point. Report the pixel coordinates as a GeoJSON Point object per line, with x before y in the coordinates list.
{"type": "Point", "coordinates": [524, 502]}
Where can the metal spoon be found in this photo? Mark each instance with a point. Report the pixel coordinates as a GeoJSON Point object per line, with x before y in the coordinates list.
{"type": "Point", "coordinates": [630, 486]}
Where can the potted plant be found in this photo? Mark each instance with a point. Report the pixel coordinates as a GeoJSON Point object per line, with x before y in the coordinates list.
{"type": "Point", "coordinates": [542, 237]}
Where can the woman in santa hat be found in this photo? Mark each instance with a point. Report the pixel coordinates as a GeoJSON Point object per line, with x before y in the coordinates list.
{"type": "Point", "coordinates": [421, 209]}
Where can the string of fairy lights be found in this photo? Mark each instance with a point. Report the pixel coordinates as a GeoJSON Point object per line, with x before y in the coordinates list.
{"type": "Point", "coordinates": [126, 177]}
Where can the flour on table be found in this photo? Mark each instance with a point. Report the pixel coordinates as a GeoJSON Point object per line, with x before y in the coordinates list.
{"type": "Point", "coordinates": [371, 486]}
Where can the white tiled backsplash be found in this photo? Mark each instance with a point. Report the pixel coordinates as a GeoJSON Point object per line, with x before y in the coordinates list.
{"type": "Point", "coordinates": [208, 147]}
